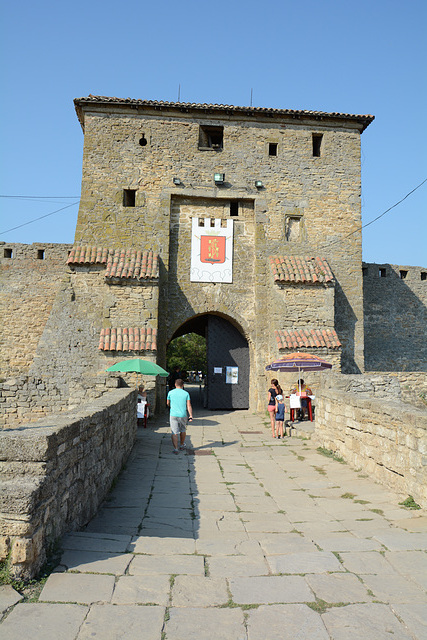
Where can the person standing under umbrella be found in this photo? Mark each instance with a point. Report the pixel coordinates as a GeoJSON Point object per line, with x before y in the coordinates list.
{"type": "Point", "coordinates": [300, 388]}
{"type": "Point", "coordinates": [178, 401]}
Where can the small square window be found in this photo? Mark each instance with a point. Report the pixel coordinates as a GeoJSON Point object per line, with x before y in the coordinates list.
{"type": "Point", "coordinates": [382, 272]}
{"type": "Point", "coordinates": [40, 254]}
{"type": "Point", "coordinates": [317, 143]}
{"type": "Point", "coordinates": [8, 253]}
{"type": "Point", "coordinates": [211, 137]}
{"type": "Point", "coordinates": [403, 274]}
{"type": "Point", "coordinates": [129, 197]}
{"type": "Point", "coordinates": [272, 148]}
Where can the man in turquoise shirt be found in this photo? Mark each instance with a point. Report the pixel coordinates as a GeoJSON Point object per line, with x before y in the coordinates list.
{"type": "Point", "coordinates": [179, 403]}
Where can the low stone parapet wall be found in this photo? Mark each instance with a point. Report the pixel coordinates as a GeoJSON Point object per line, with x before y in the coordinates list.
{"type": "Point", "coordinates": [55, 472]}
{"type": "Point", "coordinates": [386, 439]}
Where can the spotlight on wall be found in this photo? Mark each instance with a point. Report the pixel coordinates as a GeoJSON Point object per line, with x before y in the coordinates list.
{"type": "Point", "coordinates": [219, 178]}
{"type": "Point", "coordinates": [177, 181]}
{"type": "Point", "coordinates": [258, 184]}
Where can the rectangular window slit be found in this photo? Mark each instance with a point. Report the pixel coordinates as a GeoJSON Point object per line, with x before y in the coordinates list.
{"type": "Point", "coordinates": [382, 273]}
{"type": "Point", "coordinates": [234, 207]}
{"type": "Point", "coordinates": [40, 254]}
{"type": "Point", "coordinates": [129, 197]}
{"type": "Point", "coordinates": [272, 148]}
{"type": "Point", "coordinates": [8, 253]}
{"type": "Point", "coordinates": [317, 143]}
{"type": "Point", "coordinates": [403, 274]}
{"type": "Point", "coordinates": [211, 137]}
{"type": "Point", "coordinates": [423, 275]}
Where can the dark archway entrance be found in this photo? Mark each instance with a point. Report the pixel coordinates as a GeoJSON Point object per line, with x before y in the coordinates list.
{"type": "Point", "coordinates": [227, 384]}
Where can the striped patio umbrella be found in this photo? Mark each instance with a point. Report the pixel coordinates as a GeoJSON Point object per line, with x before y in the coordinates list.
{"type": "Point", "coordinates": [299, 362]}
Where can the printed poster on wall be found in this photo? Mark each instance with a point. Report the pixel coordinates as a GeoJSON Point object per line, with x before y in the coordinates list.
{"type": "Point", "coordinates": [232, 375]}
{"type": "Point", "coordinates": [211, 250]}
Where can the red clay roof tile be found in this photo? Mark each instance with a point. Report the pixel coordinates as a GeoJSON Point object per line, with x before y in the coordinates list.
{"type": "Point", "coordinates": [308, 338]}
{"type": "Point", "coordinates": [300, 269]}
{"type": "Point", "coordinates": [120, 263]}
{"type": "Point", "coordinates": [128, 339]}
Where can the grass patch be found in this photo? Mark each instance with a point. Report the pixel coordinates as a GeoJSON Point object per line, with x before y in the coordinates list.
{"type": "Point", "coordinates": [320, 470]}
{"type": "Point", "coordinates": [338, 557]}
{"type": "Point", "coordinates": [328, 453]}
{"type": "Point", "coordinates": [362, 501]}
{"type": "Point", "coordinates": [364, 519]}
{"type": "Point", "coordinates": [379, 512]}
{"type": "Point", "coordinates": [348, 496]}
{"type": "Point", "coordinates": [410, 503]}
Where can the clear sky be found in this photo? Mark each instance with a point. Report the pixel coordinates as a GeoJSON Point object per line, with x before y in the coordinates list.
{"type": "Point", "coordinates": [365, 57]}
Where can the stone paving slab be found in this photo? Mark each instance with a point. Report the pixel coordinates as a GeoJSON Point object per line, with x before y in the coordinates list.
{"type": "Point", "coordinates": [282, 543]}
{"type": "Point", "coordinates": [394, 589]}
{"type": "Point", "coordinates": [362, 562]}
{"type": "Point", "coordinates": [205, 624]}
{"type": "Point", "coordinates": [223, 546]}
{"type": "Point", "coordinates": [147, 589]}
{"type": "Point", "coordinates": [96, 561]}
{"type": "Point", "coordinates": [145, 565]}
{"type": "Point", "coordinates": [43, 621]}
{"type": "Point", "coordinates": [305, 562]}
{"type": "Point", "coordinates": [8, 597]}
{"type": "Point", "coordinates": [127, 622]}
{"type": "Point", "coordinates": [341, 542]}
{"type": "Point", "coordinates": [84, 541]}
{"type": "Point", "coordinates": [81, 588]}
{"type": "Point", "coordinates": [414, 616]}
{"type": "Point", "coordinates": [372, 622]}
{"type": "Point", "coordinates": [397, 540]}
{"type": "Point", "coordinates": [270, 590]}
{"type": "Point", "coordinates": [229, 566]}
{"type": "Point", "coordinates": [162, 546]}
{"type": "Point", "coordinates": [286, 622]}
{"type": "Point", "coordinates": [338, 587]}
{"type": "Point", "coordinates": [198, 591]}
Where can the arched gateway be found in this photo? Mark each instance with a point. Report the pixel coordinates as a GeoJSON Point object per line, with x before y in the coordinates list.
{"type": "Point", "coordinates": [228, 362]}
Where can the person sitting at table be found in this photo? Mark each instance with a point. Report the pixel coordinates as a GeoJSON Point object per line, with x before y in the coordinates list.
{"type": "Point", "coordinates": [141, 404]}
{"type": "Point", "coordinates": [301, 388]}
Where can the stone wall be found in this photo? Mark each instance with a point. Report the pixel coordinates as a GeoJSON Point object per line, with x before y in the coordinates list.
{"type": "Point", "coordinates": [30, 278]}
{"type": "Point", "coordinates": [56, 472]}
{"type": "Point", "coordinates": [380, 435]}
{"type": "Point", "coordinates": [395, 299]}
{"type": "Point", "coordinates": [25, 399]}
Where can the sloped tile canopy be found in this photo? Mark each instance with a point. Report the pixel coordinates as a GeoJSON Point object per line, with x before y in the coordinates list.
{"type": "Point", "coordinates": [128, 339]}
{"type": "Point", "coordinates": [309, 338]}
{"type": "Point", "coordinates": [300, 269]}
{"type": "Point", "coordinates": [120, 263]}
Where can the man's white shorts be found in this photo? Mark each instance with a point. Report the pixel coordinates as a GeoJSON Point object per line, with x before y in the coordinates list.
{"type": "Point", "coordinates": [178, 425]}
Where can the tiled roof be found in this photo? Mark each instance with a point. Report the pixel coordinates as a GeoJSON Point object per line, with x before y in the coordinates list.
{"type": "Point", "coordinates": [365, 120]}
{"type": "Point", "coordinates": [310, 338]}
{"type": "Point", "coordinates": [132, 339]}
{"type": "Point", "coordinates": [300, 269]}
{"type": "Point", "coordinates": [120, 263]}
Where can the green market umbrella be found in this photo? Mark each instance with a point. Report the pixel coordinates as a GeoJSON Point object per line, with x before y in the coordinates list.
{"type": "Point", "coordinates": [136, 365]}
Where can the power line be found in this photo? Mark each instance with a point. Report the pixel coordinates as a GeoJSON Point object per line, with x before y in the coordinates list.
{"type": "Point", "coordinates": [42, 197]}
{"type": "Point", "coordinates": [41, 217]}
{"type": "Point", "coordinates": [325, 246]}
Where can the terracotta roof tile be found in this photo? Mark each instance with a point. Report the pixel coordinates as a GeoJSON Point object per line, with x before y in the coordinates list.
{"type": "Point", "coordinates": [120, 263]}
{"type": "Point", "coordinates": [364, 120]}
{"type": "Point", "coordinates": [309, 338]}
{"type": "Point", "coordinates": [128, 339]}
{"type": "Point", "coordinates": [300, 269]}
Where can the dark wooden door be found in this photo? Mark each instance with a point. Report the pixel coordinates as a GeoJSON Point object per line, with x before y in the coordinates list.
{"type": "Point", "coordinates": [226, 347]}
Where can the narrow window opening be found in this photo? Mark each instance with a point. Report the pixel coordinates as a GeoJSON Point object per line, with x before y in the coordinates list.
{"type": "Point", "coordinates": [212, 222]}
{"type": "Point", "coordinates": [317, 143]}
{"type": "Point", "coordinates": [8, 253]}
{"type": "Point", "coordinates": [211, 137]}
{"type": "Point", "coordinates": [382, 273]}
{"type": "Point", "coordinates": [272, 149]}
{"type": "Point", "coordinates": [364, 271]}
{"type": "Point", "coordinates": [40, 254]}
{"type": "Point", "coordinates": [143, 140]}
{"type": "Point", "coordinates": [423, 275]}
{"type": "Point", "coordinates": [403, 274]}
{"type": "Point", "coordinates": [129, 196]}
{"type": "Point", "coordinates": [234, 207]}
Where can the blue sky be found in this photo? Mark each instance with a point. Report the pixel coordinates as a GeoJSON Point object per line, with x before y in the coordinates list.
{"type": "Point", "coordinates": [367, 57]}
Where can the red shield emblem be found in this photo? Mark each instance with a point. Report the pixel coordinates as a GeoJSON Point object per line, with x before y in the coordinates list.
{"type": "Point", "coordinates": [212, 249]}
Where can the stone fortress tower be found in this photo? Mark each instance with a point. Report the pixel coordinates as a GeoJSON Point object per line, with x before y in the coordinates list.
{"type": "Point", "coordinates": [287, 184]}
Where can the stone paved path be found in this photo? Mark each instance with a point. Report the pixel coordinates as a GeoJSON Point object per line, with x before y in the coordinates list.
{"type": "Point", "coordinates": [246, 538]}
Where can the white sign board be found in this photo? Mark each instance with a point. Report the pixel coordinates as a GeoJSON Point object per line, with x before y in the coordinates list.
{"type": "Point", "coordinates": [211, 250]}
{"type": "Point", "coordinates": [232, 375]}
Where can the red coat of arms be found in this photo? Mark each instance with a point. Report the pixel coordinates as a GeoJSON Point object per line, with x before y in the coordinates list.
{"type": "Point", "coordinates": [212, 249]}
